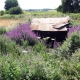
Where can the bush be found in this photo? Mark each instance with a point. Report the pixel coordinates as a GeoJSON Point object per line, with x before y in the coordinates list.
{"type": "Point", "coordinates": [23, 33]}
{"type": "Point", "coordinates": [40, 47]}
{"type": "Point", "coordinates": [7, 12]}
{"type": "Point", "coordinates": [39, 67]}
{"type": "Point", "coordinates": [75, 42]}
{"type": "Point", "coordinates": [15, 10]}
{"type": "Point", "coordinates": [10, 68]}
{"type": "Point", "coordinates": [28, 67]}
{"type": "Point", "coordinates": [1, 13]}
{"type": "Point", "coordinates": [7, 46]}
{"type": "Point", "coordinates": [2, 30]}
{"type": "Point", "coordinates": [70, 45]}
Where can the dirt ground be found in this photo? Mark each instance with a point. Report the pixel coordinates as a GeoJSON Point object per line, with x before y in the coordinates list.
{"type": "Point", "coordinates": [9, 22]}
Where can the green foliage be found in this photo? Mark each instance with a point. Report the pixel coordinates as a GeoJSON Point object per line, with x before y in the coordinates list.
{"type": "Point", "coordinates": [10, 68]}
{"type": "Point", "coordinates": [17, 17]}
{"type": "Point", "coordinates": [59, 8]}
{"type": "Point", "coordinates": [44, 66]}
{"type": "Point", "coordinates": [1, 13]}
{"type": "Point", "coordinates": [7, 46]}
{"type": "Point", "coordinates": [76, 56]}
{"type": "Point", "coordinates": [70, 45]}
{"type": "Point", "coordinates": [39, 73]}
{"type": "Point", "coordinates": [15, 10]}
{"type": "Point", "coordinates": [75, 42]}
{"type": "Point", "coordinates": [7, 12]}
{"type": "Point", "coordinates": [27, 16]}
{"type": "Point", "coordinates": [26, 67]}
{"type": "Point", "coordinates": [10, 3]}
{"type": "Point", "coordinates": [39, 47]}
{"type": "Point", "coordinates": [69, 6]}
{"type": "Point", "coordinates": [12, 7]}
{"type": "Point", "coordinates": [2, 30]}
{"type": "Point", "coordinates": [52, 65]}
{"type": "Point", "coordinates": [25, 44]}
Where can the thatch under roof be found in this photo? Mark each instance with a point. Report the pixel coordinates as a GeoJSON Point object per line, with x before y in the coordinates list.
{"type": "Point", "coordinates": [50, 24]}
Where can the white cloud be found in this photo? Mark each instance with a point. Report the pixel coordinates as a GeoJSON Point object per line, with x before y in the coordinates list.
{"type": "Point", "coordinates": [35, 4]}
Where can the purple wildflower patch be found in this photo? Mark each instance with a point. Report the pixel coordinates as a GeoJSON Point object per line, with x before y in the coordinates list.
{"type": "Point", "coordinates": [73, 29]}
{"type": "Point", "coordinates": [23, 33]}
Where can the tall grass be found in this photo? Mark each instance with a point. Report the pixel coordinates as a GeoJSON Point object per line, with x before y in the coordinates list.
{"type": "Point", "coordinates": [8, 47]}
{"type": "Point", "coordinates": [2, 30]}
{"type": "Point", "coordinates": [40, 66]}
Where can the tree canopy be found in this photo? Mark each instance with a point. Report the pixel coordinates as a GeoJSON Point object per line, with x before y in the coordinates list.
{"type": "Point", "coordinates": [69, 6]}
{"type": "Point", "coordinates": [10, 3]}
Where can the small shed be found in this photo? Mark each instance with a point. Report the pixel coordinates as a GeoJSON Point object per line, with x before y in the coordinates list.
{"type": "Point", "coordinates": [55, 28]}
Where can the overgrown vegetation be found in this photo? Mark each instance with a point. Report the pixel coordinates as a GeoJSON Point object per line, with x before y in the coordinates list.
{"type": "Point", "coordinates": [2, 30]}
{"type": "Point", "coordinates": [7, 46]}
{"type": "Point", "coordinates": [24, 57]}
{"type": "Point", "coordinates": [1, 13]}
{"type": "Point", "coordinates": [38, 62]}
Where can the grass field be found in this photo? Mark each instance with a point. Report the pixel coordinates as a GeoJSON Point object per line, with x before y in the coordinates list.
{"type": "Point", "coordinates": [7, 20]}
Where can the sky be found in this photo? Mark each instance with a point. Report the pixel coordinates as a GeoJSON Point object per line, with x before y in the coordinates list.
{"type": "Point", "coordinates": [35, 4]}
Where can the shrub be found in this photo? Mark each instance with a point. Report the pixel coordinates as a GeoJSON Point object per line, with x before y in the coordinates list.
{"type": "Point", "coordinates": [75, 42]}
{"type": "Point", "coordinates": [70, 45]}
{"type": "Point", "coordinates": [10, 68]}
{"type": "Point", "coordinates": [37, 67]}
{"type": "Point", "coordinates": [40, 47]}
{"type": "Point", "coordinates": [1, 13]}
{"type": "Point", "coordinates": [7, 12]}
{"type": "Point", "coordinates": [23, 33]}
{"type": "Point", "coordinates": [7, 46]}
{"type": "Point", "coordinates": [39, 73]}
{"type": "Point", "coordinates": [74, 33]}
{"type": "Point", "coordinates": [2, 30]}
{"type": "Point", "coordinates": [16, 10]}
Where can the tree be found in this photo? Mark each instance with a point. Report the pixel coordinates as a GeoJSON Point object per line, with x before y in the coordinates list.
{"type": "Point", "coordinates": [76, 4]}
{"type": "Point", "coordinates": [10, 3]}
{"type": "Point", "coordinates": [60, 8]}
{"type": "Point", "coordinates": [69, 6]}
{"type": "Point", "coordinates": [15, 10]}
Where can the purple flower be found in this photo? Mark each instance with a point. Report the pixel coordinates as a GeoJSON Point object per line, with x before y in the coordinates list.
{"type": "Point", "coordinates": [74, 29]}
{"type": "Point", "coordinates": [23, 32]}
